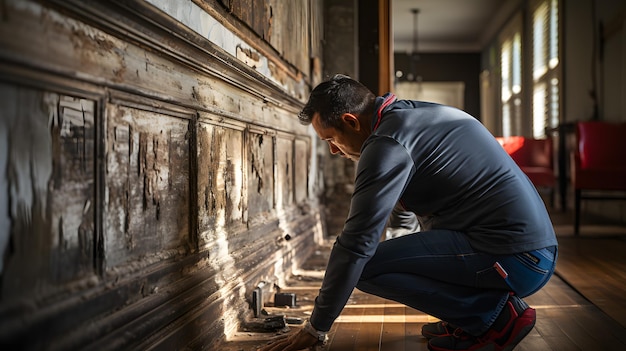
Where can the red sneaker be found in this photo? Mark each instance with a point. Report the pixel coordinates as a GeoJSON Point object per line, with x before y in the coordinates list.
{"type": "Point", "coordinates": [517, 326]}
{"type": "Point", "coordinates": [437, 329]}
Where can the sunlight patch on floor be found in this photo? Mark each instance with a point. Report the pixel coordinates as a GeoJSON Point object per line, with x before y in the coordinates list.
{"type": "Point", "coordinates": [379, 318]}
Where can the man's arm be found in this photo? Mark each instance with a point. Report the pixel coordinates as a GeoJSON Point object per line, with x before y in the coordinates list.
{"type": "Point", "coordinates": [382, 173]}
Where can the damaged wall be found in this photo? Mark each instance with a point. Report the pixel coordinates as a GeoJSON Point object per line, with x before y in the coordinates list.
{"type": "Point", "coordinates": [152, 167]}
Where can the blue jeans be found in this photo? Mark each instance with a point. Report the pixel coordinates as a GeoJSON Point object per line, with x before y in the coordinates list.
{"type": "Point", "coordinates": [439, 273]}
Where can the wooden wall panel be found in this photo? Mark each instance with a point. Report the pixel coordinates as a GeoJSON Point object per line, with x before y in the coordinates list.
{"type": "Point", "coordinates": [260, 174]}
{"type": "Point", "coordinates": [49, 165]}
{"type": "Point", "coordinates": [220, 180]}
{"type": "Point", "coordinates": [284, 172]}
{"type": "Point", "coordinates": [147, 184]}
{"type": "Point", "coordinates": [301, 169]}
{"type": "Point", "coordinates": [290, 31]}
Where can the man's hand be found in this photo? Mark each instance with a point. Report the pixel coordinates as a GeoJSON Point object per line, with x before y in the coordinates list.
{"type": "Point", "coordinates": [297, 341]}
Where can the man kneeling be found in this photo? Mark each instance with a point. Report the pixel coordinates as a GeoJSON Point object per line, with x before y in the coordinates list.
{"type": "Point", "coordinates": [486, 240]}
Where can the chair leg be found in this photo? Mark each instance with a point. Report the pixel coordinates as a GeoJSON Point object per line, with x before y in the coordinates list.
{"type": "Point", "coordinates": [577, 195]}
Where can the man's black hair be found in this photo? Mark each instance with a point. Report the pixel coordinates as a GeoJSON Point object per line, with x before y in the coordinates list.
{"type": "Point", "coordinates": [334, 97]}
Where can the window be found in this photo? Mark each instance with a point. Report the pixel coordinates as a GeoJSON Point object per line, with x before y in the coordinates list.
{"type": "Point", "coordinates": [534, 61]}
{"type": "Point", "coordinates": [511, 78]}
{"type": "Point", "coordinates": [545, 66]}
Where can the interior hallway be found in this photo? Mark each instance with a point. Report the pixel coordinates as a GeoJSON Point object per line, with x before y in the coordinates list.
{"type": "Point", "coordinates": [583, 307]}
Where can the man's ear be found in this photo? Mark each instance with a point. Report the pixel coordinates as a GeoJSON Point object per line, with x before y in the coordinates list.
{"type": "Point", "coordinates": [352, 121]}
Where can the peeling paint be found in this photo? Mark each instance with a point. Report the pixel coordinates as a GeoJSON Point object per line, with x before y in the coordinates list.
{"type": "Point", "coordinates": [220, 174]}
{"type": "Point", "coordinates": [147, 184]}
{"type": "Point", "coordinates": [301, 170]}
{"type": "Point", "coordinates": [49, 175]}
{"type": "Point", "coordinates": [284, 177]}
{"type": "Point", "coordinates": [261, 174]}
{"type": "Point", "coordinates": [249, 57]}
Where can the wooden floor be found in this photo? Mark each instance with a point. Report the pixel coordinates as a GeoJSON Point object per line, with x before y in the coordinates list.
{"type": "Point", "coordinates": [583, 307]}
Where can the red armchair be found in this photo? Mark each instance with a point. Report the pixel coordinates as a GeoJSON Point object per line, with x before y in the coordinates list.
{"type": "Point", "coordinates": [599, 163]}
{"type": "Point", "coordinates": [535, 158]}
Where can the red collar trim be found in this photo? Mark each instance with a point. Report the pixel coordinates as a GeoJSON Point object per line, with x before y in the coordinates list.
{"type": "Point", "coordinates": [388, 100]}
